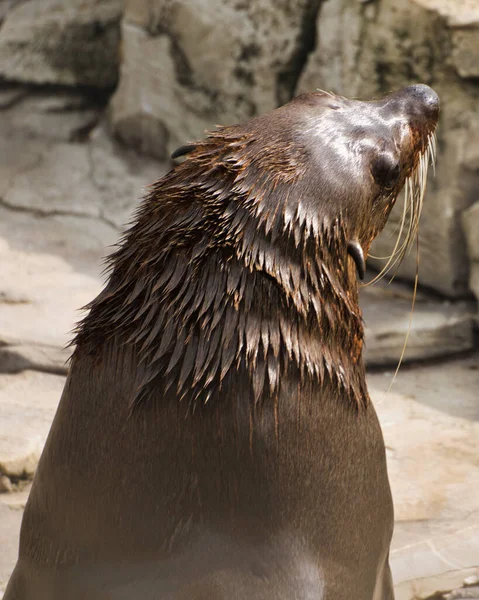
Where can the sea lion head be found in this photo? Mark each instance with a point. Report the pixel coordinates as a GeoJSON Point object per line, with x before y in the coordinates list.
{"type": "Point", "coordinates": [245, 255]}
{"type": "Point", "coordinates": [344, 161]}
{"type": "Point", "coordinates": [363, 156]}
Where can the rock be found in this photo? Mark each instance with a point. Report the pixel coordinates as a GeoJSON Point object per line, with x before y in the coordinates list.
{"type": "Point", "coordinates": [5, 484]}
{"type": "Point", "coordinates": [367, 50]}
{"type": "Point", "coordinates": [469, 593]}
{"type": "Point", "coordinates": [53, 293]}
{"type": "Point", "coordinates": [72, 42]}
{"type": "Point", "coordinates": [103, 180]}
{"type": "Point", "coordinates": [437, 328]}
{"type": "Point", "coordinates": [27, 405]}
{"type": "Point", "coordinates": [463, 19]}
{"type": "Point", "coordinates": [61, 204]}
{"type": "Point", "coordinates": [15, 357]}
{"type": "Point", "coordinates": [215, 61]}
{"type": "Point", "coordinates": [59, 182]}
{"type": "Point", "coordinates": [470, 222]}
{"type": "Point", "coordinates": [11, 94]}
{"type": "Point", "coordinates": [473, 580]}
{"type": "Point", "coordinates": [5, 6]}
{"type": "Point", "coordinates": [458, 14]}
{"type": "Point", "coordinates": [465, 54]}
{"type": "Point", "coordinates": [17, 498]}
{"type": "Point", "coordinates": [9, 532]}
{"type": "Point", "coordinates": [60, 115]}
{"type": "Point", "coordinates": [430, 422]}
{"type": "Point", "coordinates": [81, 242]}
{"type": "Point", "coordinates": [53, 234]}
{"type": "Point", "coordinates": [121, 176]}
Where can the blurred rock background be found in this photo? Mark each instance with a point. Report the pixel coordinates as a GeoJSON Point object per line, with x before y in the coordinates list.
{"type": "Point", "coordinates": [95, 95]}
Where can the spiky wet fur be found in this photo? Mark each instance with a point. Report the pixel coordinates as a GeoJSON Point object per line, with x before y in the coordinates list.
{"type": "Point", "coordinates": [222, 270]}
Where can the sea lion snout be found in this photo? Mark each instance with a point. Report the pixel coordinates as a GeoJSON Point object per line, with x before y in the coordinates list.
{"type": "Point", "coordinates": [428, 96]}
{"type": "Point", "coordinates": [418, 105]}
{"type": "Point", "coordinates": [419, 98]}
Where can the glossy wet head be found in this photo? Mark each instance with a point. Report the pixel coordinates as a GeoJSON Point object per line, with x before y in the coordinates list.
{"type": "Point", "coordinates": [361, 153]}
{"type": "Point", "coordinates": [354, 159]}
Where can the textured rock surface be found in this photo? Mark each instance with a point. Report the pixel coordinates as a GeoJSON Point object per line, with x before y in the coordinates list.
{"type": "Point", "coordinates": [55, 114]}
{"type": "Point", "coordinates": [215, 61]}
{"type": "Point", "coordinates": [10, 520]}
{"type": "Point", "coordinates": [469, 591]}
{"type": "Point", "coordinates": [40, 305]}
{"type": "Point", "coordinates": [437, 328]}
{"type": "Point", "coordinates": [471, 226]}
{"type": "Point", "coordinates": [16, 356]}
{"type": "Point", "coordinates": [463, 18]}
{"type": "Point", "coordinates": [72, 42]}
{"type": "Point", "coordinates": [61, 204]}
{"type": "Point", "coordinates": [104, 180]}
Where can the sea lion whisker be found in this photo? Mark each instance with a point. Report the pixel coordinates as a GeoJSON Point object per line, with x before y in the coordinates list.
{"type": "Point", "coordinates": [387, 267]}
{"type": "Point", "coordinates": [409, 328]}
{"type": "Point", "coordinates": [330, 94]}
{"type": "Point", "coordinates": [414, 192]}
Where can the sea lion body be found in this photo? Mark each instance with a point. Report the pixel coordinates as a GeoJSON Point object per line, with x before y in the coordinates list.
{"type": "Point", "coordinates": [215, 437]}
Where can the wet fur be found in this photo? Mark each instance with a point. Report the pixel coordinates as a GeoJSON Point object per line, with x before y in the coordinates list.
{"type": "Point", "coordinates": [224, 268]}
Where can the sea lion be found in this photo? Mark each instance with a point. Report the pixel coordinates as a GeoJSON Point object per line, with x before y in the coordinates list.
{"type": "Point", "coordinates": [215, 437]}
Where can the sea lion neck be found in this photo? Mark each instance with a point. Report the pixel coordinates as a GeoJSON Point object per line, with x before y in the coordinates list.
{"type": "Point", "coordinates": [201, 289]}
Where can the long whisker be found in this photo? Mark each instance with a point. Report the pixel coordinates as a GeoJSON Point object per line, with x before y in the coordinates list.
{"type": "Point", "coordinates": [414, 191]}
{"type": "Point", "coordinates": [385, 269]}
{"type": "Point", "coordinates": [406, 339]}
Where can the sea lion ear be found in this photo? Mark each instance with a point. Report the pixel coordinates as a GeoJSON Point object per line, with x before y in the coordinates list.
{"type": "Point", "coordinates": [386, 169]}
{"type": "Point", "coordinates": [357, 254]}
{"type": "Point", "coordinates": [182, 150]}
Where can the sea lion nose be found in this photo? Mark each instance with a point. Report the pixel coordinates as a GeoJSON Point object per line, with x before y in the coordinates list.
{"type": "Point", "coordinates": [418, 104]}
{"type": "Point", "coordinates": [426, 96]}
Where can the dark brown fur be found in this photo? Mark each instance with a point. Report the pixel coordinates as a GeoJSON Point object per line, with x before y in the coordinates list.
{"type": "Point", "coordinates": [215, 437]}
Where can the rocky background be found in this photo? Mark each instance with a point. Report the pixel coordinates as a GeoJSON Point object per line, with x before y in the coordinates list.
{"type": "Point", "coordinates": [94, 96]}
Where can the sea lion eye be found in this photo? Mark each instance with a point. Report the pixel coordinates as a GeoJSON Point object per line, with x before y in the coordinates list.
{"type": "Point", "coordinates": [386, 170]}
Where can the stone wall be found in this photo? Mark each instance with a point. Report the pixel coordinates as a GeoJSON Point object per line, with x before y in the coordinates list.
{"type": "Point", "coordinates": [184, 66]}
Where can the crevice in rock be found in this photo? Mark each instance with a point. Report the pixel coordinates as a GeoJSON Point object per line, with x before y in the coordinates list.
{"type": "Point", "coordinates": [17, 482]}
{"type": "Point", "coordinates": [184, 74]}
{"type": "Point", "coordinates": [99, 97]}
{"type": "Point", "coordinates": [411, 365]}
{"type": "Point", "coordinates": [13, 361]}
{"type": "Point", "coordinates": [434, 294]}
{"type": "Point", "coordinates": [287, 79]}
{"type": "Point", "coordinates": [55, 213]}
{"type": "Point", "coordinates": [367, 17]}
